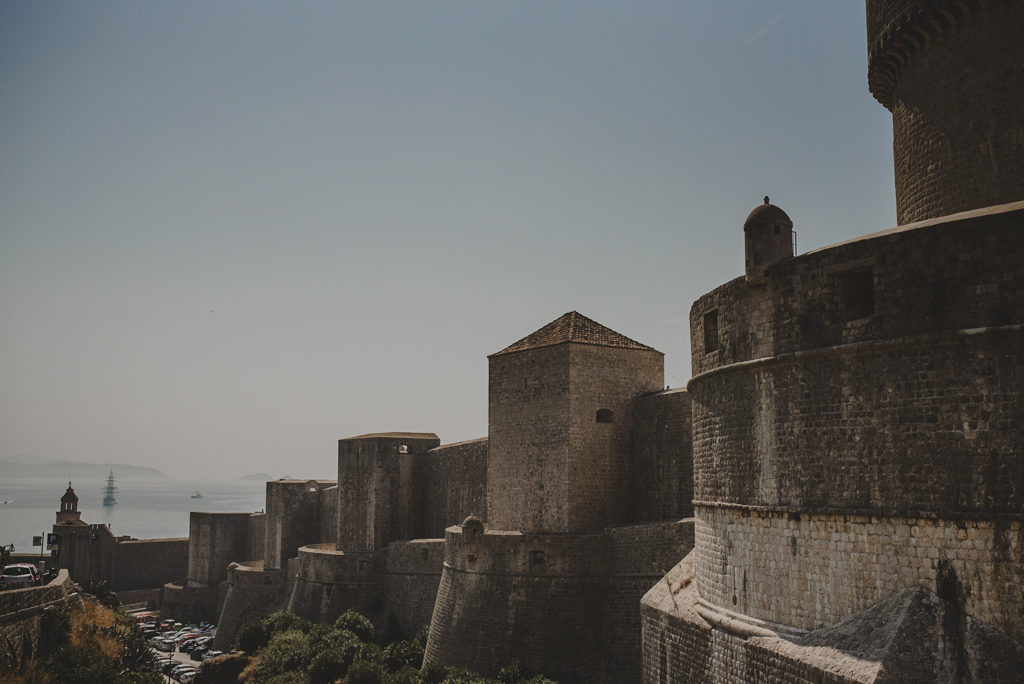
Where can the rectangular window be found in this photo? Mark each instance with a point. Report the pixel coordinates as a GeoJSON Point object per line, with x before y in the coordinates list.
{"type": "Point", "coordinates": [710, 331]}
{"type": "Point", "coordinates": [855, 294]}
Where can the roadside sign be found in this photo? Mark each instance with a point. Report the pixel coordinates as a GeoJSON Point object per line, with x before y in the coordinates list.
{"type": "Point", "coordinates": [37, 540]}
{"type": "Point", "coordinates": [52, 539]}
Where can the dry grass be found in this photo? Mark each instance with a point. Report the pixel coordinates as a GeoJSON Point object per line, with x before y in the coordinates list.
{"type": "Point", "coordinates": [87, 622]}
{"type": "Point", "coordinates": [86, 626]}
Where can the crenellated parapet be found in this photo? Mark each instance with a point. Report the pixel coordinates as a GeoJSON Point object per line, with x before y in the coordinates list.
{"type": "Point", "coordinates": [950, 72]}
{"type": "Point", "coordinates": [900, 31]}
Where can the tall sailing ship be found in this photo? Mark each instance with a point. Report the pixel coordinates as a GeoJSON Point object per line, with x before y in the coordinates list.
{"type": "Point", "coordinates": [109, 490]}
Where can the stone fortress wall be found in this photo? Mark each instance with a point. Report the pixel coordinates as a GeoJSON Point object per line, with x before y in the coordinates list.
{"type": "Point", "coordinates": [563, 604]}
{"type": "Point", "coordinates": [950, 72]}
{"type": "Point", "coordinates": [807, 405]}
{"type": "Point", "coordinates": [858, 475]}
{"type": "Point", "coordinates": [91, 551]}
{"type": "Point", "coordinates": [215, 540]}
{"type": "Point", "coordinates": [577, 424]}
{"type": "Point", "coordinates": [857, 465]}
{"type": "Point", "coordinates": [849, 447]}
{"type": "Point", "coordinates": [21, 615]}
{"type": "Point", "coordinates": [370, 541]}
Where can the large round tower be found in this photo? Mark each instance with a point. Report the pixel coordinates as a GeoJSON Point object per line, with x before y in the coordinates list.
{"type": "Point", "coordinates": [952, 74]}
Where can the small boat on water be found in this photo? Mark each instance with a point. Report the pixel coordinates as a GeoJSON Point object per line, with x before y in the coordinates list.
{"type": "Point", "coordinates": [109, 490]}
{"type": "Point", "coordinates": [196, 494]}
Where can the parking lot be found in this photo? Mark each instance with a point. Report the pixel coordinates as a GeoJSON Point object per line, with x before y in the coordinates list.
{"type": "Point", "coordinates": [179, 648]}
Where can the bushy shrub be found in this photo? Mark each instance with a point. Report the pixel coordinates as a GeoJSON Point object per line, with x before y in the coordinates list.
{"type": "Point", "coordinates": [327, 666]}
{"type": "Point", "coordinates": [400, 654]}
{"type": "Point", "coordinates": [364, 672]}
{"type": "Point", "coordinates": [407, 675]}
{"type": "Point", "coordinates": [282, 621]}
{"type": "Point", "coordinates": [294, 677]}
{"type": "Point", "coordinates": [252, 636]}
{"type": "Point", "coordinates": [286, 651]}
{"type": "Point", "coordinates": [223, 670]}
{"type": "Point", "coordinates": [354, 622]}
{"type": "Point", "coordinates": [435, 673]}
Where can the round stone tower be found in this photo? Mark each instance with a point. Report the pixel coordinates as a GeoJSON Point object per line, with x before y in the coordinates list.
{"type": "Point", "coordinates": [952, 74]}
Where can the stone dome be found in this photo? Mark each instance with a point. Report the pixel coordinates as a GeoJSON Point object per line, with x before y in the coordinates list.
{"type": "Point", "coordinates": [767, 214]}
{"type": "Point", "coordinates": [69, 496]}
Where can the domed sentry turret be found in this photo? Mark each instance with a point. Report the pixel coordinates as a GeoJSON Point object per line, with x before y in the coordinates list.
{"type": "Point", "coordinates": [950, 72]}
{"type": "Point", "coordinates": [768, 239]}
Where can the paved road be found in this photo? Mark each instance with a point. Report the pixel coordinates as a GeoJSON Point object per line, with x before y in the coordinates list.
{"type": "Point", "coordinates": [179, 657]}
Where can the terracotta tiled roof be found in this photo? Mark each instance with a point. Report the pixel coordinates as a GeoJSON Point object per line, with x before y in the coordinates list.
{"type": "Point", "coordinates": [573, 327]}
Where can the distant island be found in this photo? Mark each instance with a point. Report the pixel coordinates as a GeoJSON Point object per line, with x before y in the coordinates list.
{"type": "Point", "coordinates": [262, 477]}
{"type": "Point", "coordinates": [75, 470]}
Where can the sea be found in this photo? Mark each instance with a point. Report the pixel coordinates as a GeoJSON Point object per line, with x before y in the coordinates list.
{"type": "Point", "coordinates": [145, 509]}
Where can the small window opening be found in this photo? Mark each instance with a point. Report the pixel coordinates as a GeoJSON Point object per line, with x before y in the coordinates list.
{"type": "Point", "coordinates": [710, 331]}
{"type": "Point", "coordinates": [855, 291]}
{"type": "Point", "coordinates": [605, 416]}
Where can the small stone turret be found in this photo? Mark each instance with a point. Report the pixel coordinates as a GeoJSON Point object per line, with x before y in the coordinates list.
{"type": "Point", "coordinates": [768, 239]}
{"type": "Point", "coordinates": [68, 513]}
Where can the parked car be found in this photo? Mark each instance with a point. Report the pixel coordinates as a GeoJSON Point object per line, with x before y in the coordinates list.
{"type": "Point", "coordinates": [212, 654]}
{"type": "Point", "coordinates": [162, 644]}
{"type": "Point", "coordinates": [191, 644]}
{"type": "Point", "coordinates": [19, 575]}
{"type": "Point", "coordinates": [181, 672]}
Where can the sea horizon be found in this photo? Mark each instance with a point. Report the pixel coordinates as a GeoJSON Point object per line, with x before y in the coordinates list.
{"type": "Point", "coordinates": [145, 509]}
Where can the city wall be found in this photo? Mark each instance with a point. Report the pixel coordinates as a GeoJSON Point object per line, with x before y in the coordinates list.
{"type": "Point", "coordinates": [660, 463]}
{"type": "Point", "coordinates": [215, 540]}
{"type": "Point", "coordinates": [252, 591]}
{"type": "Point", "coordinates": [833, 427]}
{"type": "Point", "coordinates": [21, 614]}
{"type": "Point", "coordinates": [328, 582]}
{"type": "Point", "coordinates": [299, 512]}
{"type": "Point", "coordinates": [949, 71]}
{"type": "Point", "coordinates": [564, 605]}
{"type": "Point", "coordinates": [91, 552]}
{"type": "Point", "coordinates": [411, 577]}
{"type": "Point", "coordinates": [454, 485]}
{"type": "Point", "coordinates": [148, 563]}
{"type": "Point", "coordinates": [912, 636]}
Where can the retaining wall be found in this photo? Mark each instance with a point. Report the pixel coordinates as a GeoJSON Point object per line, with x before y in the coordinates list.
{"type": "Point", "coordinates": [412, 575]}
{"type": "Point", "coordinates": [328, 582]}
{"type": "Point", "coordinates": [21, 613]}
{"type": "Point", "coordinates": [252, 592]}
{"type": "Point", "coordinates": [566, 605]}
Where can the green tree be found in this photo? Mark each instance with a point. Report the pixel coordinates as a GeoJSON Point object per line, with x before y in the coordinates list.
{"type": "Point", "coordinates": [353, 621]}
{"type": "Point", "coordinates": [287, 651]}
{"type": "Point", "coordinates": [252, 636]}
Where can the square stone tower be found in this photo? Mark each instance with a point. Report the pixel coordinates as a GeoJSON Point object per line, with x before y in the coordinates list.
{"type": "Point", "coordinates": [559, 426]}
{"type": "Point", "coordinates": [376, 489]}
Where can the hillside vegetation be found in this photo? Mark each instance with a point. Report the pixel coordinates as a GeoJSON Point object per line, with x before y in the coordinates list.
{"type": "Point", "coordinates": [285, 649]}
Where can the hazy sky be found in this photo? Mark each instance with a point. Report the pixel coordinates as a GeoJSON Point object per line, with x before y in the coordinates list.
{"type": "Point", "coordinates": [234, 232]}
